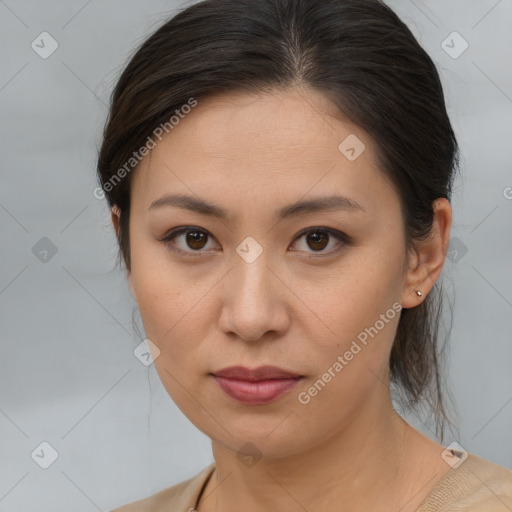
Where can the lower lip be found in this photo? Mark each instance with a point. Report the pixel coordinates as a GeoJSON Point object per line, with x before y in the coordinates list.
{"type": "Point", "coordinates": [253, 393]}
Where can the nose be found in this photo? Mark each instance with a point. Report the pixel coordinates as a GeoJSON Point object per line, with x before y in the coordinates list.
{"type": "Point", "coordinates": [254, 301]}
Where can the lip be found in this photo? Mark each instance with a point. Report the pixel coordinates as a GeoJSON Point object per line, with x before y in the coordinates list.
{"type": "Point", "coordinates": [256, 387]}
{"type": "Point", "coordinates": [260, 373]}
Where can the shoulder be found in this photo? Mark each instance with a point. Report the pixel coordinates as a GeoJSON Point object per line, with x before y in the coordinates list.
{"type": "Point", "coordinates": [181, 496]}
{"type": "Point", "coordinates": [477, 485]}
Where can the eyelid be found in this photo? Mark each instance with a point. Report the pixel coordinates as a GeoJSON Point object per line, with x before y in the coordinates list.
{"type": "Point", "coordinates": [343, 238]}
{"type": "Point", "coordinates": [174, 233]}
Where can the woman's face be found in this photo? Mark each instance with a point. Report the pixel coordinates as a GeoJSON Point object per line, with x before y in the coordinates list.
{"type": "Point", "coordinates": [260, 288]}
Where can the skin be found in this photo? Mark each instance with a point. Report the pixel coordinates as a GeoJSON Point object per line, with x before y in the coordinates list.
{"type": "Point", "coordinates": [347, 449]}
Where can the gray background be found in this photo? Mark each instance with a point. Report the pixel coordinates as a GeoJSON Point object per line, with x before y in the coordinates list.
{"type": "Point", "coordinates": [68, 374]}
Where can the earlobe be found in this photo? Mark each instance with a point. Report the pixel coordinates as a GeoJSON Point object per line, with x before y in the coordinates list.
{"type": "Point", "coordinates": [426, 264]}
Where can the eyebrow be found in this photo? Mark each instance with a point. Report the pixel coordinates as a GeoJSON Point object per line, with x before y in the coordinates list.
{"type": "Point", "coordinates": [328, 203]}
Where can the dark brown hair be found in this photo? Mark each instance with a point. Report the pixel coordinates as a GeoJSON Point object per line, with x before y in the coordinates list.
{"type": "Point", "coordinates": [361, 56]}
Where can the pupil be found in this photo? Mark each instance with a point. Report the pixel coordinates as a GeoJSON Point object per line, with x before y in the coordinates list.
{"type": "Point", "coordinates": [314, 238]}
{"type": "Point", "coordinates": [193, 238]}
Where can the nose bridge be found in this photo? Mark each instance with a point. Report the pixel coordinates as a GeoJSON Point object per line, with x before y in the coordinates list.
{"type": "Point", "coordinates": [251, 303]}
{"type": "Point", "coordinates": [252, 274]}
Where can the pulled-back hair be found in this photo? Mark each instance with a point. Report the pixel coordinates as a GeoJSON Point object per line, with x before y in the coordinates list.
{"type": "Point", "coordinates": [363, 58]}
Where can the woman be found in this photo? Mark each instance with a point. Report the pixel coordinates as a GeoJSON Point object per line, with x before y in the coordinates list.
{"type": "Point", "coordinates": [280, 173]}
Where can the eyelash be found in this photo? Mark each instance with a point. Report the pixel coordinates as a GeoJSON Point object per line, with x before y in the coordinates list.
{"type": "Point", "coordinates": [342, 237]}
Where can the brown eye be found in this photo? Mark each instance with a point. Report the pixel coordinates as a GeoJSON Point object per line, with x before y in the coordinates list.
{"type": "Point", "coordinates": [194, 240]}
{"type": "Point", "coordinates": [317, 239]}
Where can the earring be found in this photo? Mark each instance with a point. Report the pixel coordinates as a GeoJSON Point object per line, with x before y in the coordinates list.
{"type": "Point", "coordinates": [419, 293]}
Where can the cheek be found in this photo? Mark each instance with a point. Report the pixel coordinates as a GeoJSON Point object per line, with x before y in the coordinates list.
{"type": "Point", "coordinates": [166, 311]}
{"type": "Point", "coordinates": [342, 303]}
{"type": "Point", "coordinates": [158, 286]}
{"type": "Point", "coordinates": [169, 312]}
{"type": "Point", "coordinates": [351, 332]}
{"type": "Point", "coordinates": [172, 305]}
{"type": "Point", "coordinates": [351, 364]}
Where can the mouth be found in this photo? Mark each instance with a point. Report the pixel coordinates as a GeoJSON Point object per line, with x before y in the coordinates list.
{"type": "Point", "coordinates": [256, 387]}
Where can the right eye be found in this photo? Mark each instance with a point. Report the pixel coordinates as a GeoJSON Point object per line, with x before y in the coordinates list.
{"type": "Point", "coordinates": [195, 239]}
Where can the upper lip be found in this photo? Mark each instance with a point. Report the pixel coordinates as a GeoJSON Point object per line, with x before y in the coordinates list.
{"type": "Point", "coordinates": [260, 373]}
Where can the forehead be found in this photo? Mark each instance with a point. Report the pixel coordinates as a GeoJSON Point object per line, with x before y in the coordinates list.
{"type": "Point", "coordinates": [254, 148]}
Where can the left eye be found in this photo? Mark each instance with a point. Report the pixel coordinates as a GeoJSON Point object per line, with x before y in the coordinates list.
{"type": "Point", "coordinates": [319, 238]}
{"type": "Point", "coordinates": [196, 239]}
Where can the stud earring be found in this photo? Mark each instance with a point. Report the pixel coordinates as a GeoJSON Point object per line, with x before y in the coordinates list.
{"type": "Point", "coordinates": [419, 293]}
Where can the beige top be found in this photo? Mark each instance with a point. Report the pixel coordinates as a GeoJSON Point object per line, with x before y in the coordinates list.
{"type": "Point", "coordinates": [476, 485]}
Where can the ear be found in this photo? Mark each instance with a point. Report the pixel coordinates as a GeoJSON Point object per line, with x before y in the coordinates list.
{"type": "Point", "coordinates": [115, 215]}
{"type": "Point", "coordinates": [426, 261]}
